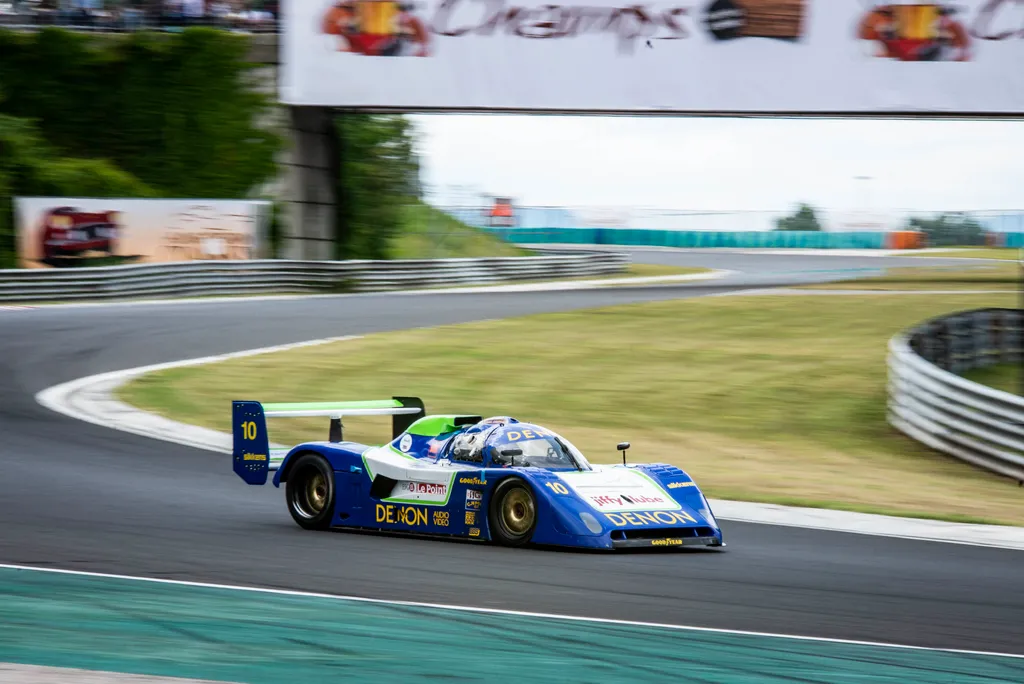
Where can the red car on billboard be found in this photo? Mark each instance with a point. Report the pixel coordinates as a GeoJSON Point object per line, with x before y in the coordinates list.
{"type": "Point", "coordinates": [67, 231]}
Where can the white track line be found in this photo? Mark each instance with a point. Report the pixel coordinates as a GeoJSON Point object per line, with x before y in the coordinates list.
{"type": "Point", "coordinates": [91, 399]}
{"type": "Point", "coordinates": [500, 611]}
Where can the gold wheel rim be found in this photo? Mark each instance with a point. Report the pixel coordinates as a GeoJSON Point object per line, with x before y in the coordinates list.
{"type": "Point", "coordinates": [316, 493]}
{"type": "Point", "coordinates": [517, 511]}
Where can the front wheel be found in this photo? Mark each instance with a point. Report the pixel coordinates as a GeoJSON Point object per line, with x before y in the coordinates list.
{"type": "Point", "coordinates": [310, 492]}
{"type": "Point", "coordinates": [513, 513]}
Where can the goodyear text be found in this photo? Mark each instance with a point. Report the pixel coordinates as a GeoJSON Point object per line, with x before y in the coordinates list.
{"type": "Point", "coordinates": [667, 542]}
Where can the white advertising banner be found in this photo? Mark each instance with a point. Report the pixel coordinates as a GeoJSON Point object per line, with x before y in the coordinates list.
{"type": "Point", "coordinates": [63, 232]}
{"type": "Point", "coordinates": [630, 56]}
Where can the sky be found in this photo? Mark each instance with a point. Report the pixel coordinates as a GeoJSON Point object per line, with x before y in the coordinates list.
{"type": "Point", "coordinates": [726, 164]}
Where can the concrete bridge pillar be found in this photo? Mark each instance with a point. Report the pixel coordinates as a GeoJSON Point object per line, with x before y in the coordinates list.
{"type": "Point", "coordinates": [308, 186]}
{"type": "Point", "coordinates": [307, 166]}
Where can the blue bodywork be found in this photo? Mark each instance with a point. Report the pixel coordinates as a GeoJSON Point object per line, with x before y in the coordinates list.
{"type": "Point", "coordinates": [679, 515]}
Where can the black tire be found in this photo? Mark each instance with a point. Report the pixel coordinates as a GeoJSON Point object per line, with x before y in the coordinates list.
{"type": "Point", "coordinates": [310, 492]}
{"type": "Point", "coordinates": [513, 513]}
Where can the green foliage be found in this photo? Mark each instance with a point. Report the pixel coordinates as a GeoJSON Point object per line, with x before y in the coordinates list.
{"type": "Point", "coordinates": [29, 166]}
{"type": "Point", "coordinates": [949, 229]}
{"type": "Point", "coordinates": [803, 219]}
{"type": "Point", "coordinates": [378, 176]}
{"type": "Point", "coordinates": [429, 233]}
{"type": "Point", "coordinates": [174, 110]}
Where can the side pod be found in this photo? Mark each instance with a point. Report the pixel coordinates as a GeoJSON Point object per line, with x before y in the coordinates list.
{"type": "Point", "coordinates": [250, 448]}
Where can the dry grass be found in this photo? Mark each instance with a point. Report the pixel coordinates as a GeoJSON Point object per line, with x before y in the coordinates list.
{"type": "Point", "coordinates": [778, 399]}
{"type": "Point", "coordinates": [1002, 376]}
{"type": "Point", "coordinates": [1002, 253]}
{"type": "Point", "coordinates": [971, 276]}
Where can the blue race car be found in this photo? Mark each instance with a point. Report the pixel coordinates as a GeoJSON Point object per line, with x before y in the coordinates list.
{"type": "Point", "coordinates": [494, 479]}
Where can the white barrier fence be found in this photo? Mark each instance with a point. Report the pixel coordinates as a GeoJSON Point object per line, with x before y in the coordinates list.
{"type": "Point", "coordinates": [192, 278]}
{"type": "Point", "coordinates": [930, 403]}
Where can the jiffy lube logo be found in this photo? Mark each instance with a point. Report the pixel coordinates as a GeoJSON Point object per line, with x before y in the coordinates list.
{"type": "Point", "coordinates": [629, 24]}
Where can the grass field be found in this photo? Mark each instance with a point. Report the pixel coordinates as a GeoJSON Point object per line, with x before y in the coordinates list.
{"type": "Point", "coordinates": [970, 276]}
{"type": "Point", "coordinates": [777, 399]}
{"type": "Point", "coordinates": [428, 233]}
{"type": "Point", "coordinates": [1003, 376]}
{"type": "Point", "coordinates": [1003, 253]}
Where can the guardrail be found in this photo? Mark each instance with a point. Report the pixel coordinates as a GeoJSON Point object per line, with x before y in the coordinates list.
{"type": "Point", "coordinates": [931, 403]}
{"type": "Point", "coordinates": [192, 278]}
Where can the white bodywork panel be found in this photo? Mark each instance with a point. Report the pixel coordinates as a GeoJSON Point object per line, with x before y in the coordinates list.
{"type": "Point", "coordinates": [419, 480]}
{"type": "Point", "coordinates": [617, 490]}
{"type": "Point", "coordinates": [606, 489]}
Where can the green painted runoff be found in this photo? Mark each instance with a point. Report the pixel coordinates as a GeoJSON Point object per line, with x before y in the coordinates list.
{"type": "Point", "coordinates": [172, 630]}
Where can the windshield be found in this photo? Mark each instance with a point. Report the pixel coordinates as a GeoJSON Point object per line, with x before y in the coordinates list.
{"type": "Point", "coordinates": [541, 450]}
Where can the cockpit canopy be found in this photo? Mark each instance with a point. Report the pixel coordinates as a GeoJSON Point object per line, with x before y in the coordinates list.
{"type": "Point", "coordinates": [505, 442]}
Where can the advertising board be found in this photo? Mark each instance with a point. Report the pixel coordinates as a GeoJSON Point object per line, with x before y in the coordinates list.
{"type": "Point", "coordinates": [658, 56]}
{"type": "Point", "coordinates": [63, 232]}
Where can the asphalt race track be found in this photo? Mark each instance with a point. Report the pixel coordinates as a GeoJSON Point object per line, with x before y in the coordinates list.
{"type": "Point", "coordinates": [81, 497]}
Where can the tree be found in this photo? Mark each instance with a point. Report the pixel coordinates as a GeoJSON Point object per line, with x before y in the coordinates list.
{"type": "Point", "coordinates": [954, 228]}
{"type": "Point", "coordinates": [378, 175]}
{"type": "Point", "coordinates": [175, 110]}
{"type": "Point", "coordinates": [803, 219]}
{"type": "Point", "coordinates": [137, 115]}
{"type": "Point", "coordinates": [29, 166]}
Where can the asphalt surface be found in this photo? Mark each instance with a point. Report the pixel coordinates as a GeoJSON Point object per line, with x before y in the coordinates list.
{"type": "Point", "coordinates": [82, 497]}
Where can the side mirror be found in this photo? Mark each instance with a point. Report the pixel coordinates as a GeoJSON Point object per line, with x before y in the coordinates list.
{"type": "Point", "coordinates": [622, 446]}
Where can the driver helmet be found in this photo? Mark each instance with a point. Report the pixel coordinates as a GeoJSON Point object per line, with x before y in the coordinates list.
{"type": "Point", "coordinates": [469, 445]}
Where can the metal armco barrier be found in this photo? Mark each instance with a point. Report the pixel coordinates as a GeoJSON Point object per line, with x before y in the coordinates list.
{"type": "Point", "coordinates": [191, 278]}
{"type": "Point", "coordinates": [931, 403]}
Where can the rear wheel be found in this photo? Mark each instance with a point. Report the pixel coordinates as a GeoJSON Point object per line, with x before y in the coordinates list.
{"type": "Point", "coordinates": [310, 492]}
{"type": "Point", "coordinates": [513, 513]}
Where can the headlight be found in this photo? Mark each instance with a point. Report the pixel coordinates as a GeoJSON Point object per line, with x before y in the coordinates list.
{"type": "Point", "coordinates": [591, 522]}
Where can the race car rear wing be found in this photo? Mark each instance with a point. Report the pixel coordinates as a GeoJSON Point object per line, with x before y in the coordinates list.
{"type": "Point", "coordinates": [251, 455]}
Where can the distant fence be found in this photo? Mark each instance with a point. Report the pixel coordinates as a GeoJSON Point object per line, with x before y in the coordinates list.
{"type": "Point", "coordinates": [931, 403]}
{"type": "Point", "coordinates": [708, 239]}
{"type": "Point", "coordinates": [479, 212]}
{"type": "Point", "coordinates": [201, 278]}
{"type": "Point", "coordinates": [1014, 240]}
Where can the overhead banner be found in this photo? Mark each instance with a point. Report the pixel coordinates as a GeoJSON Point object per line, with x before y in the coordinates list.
{"type": "Point", "coordinates": [64, 232]}
{"type": "Point", "coordinates": [686, 56]}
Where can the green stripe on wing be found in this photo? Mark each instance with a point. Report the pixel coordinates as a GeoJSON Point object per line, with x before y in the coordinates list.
{"type": "Point", "coordinates": [334, 405]}
{"type": "Point", "coordinates": [434, 426]}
